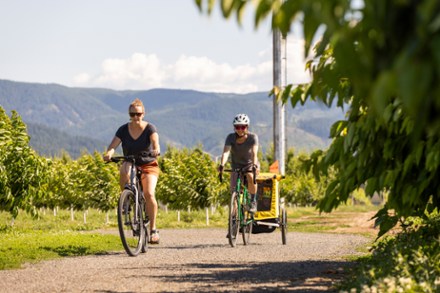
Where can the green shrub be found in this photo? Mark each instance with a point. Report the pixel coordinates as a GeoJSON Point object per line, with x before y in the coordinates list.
{"type": "Point", "coordinates": [406, 262]}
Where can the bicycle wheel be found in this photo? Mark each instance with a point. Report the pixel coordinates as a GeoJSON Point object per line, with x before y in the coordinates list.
{"type": "Point", "coordinates": [246, 229]}
{"type": "Point", "coordinates": [234, 220]}
{"type": "Point", "coordinates": [146, 221]}
{"type": "Point", "coordinates": [284, 226]}
{"type": "Point", "coordinates": [131, 228]}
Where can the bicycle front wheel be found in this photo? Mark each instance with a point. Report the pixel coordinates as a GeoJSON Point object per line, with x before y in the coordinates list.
{"type": "Point", "coordinates": [234, 220]}
{"type": "Point", "coordinates": [246, 229]}
{"type": "Point", "coordinates": [131, 228]}
{"type": "Point", "coordinates": [146, 221]}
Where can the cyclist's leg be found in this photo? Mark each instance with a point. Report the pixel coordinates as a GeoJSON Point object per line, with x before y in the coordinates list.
{"type": "Point", "coordinates": [233, 181]}
{"type": "Point", "coordinates": [252, 189]}
{"type": "Point", "coordinates": [149, 182]}
{"type": "Point", "coordinates": [124, 174]}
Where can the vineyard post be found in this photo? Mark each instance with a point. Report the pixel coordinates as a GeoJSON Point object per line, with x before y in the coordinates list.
{"type": "Point", "coordinates": [207, 216]}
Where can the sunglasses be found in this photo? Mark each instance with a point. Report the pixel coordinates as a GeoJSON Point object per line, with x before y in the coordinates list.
{"type": "Point", "coordinates": [136, 114]}
{"type": "Point", "coordinates": [240, 127]}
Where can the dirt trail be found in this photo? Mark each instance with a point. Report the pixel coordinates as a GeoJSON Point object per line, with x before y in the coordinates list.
{"type": "Point", "coordinates": [199, 261]}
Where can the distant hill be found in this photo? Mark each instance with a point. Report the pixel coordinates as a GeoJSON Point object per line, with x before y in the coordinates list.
{"type": "Point", "coordinates": [51, 142]}
{"type": "Point", "coordinates": [76, 119]}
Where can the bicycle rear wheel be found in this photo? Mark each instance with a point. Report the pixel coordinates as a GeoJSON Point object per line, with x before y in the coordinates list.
{"type": "Point", "coordinates": [234, 220]}
{"type": "Point", "coordinates": [284, 226]}
{"type": "Point", "coordinates": [131, 228]}
{"type": "Point", "coordinates": [246, 229]}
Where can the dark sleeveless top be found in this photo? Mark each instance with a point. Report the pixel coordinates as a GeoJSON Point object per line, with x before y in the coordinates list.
{"type": "Point", "coordinates": [139, 147]}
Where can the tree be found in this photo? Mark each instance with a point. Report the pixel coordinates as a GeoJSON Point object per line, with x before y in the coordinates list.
{"type": "Point", "coordinates": [22, 171]}
{"type": "Point", "coordinates": [382, 61]}
{"type": "Point", "coordinates": [189, 178]}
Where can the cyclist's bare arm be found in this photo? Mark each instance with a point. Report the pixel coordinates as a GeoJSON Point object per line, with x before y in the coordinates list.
{"type": "Point", "coordinates": [255, 157]}
{"type": "Point", "coordinates": [225, 156]}
{"type": "Point", "coordinates": [111, 148]}
{"type": "Point", "coordinates": [154, 138]}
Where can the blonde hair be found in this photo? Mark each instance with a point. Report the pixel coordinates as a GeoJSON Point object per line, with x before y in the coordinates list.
{"type": "Point", "coordinates": [137, 103]}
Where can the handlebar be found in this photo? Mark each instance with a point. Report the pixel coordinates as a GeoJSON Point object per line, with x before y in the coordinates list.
{"type": "Point", "coordinates": [118, 159]}
{"type": "Point", "coordinates": [132, 158]}
{"type": "Point", "coordinates": [240, 170]}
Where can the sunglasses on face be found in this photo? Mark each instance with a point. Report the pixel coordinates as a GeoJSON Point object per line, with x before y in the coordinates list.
{"type": "Point", "coordinates": [240, 127]}
{"type": "Point", "coordinates": [136, 114]}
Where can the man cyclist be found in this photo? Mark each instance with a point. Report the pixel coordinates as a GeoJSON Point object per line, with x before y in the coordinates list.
{"type": "Point", "coordinates": [243, 147]}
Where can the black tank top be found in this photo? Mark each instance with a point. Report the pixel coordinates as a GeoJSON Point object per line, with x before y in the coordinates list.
{"type": "Point", "coordinates": [138, 147]}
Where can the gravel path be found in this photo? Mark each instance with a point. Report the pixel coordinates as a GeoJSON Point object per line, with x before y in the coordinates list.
{"type": "Point", "coordinates": [198, 261]}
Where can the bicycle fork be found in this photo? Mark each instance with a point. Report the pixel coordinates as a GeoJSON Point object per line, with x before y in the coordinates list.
{"type": "Point", "coordinates": [136, 191]}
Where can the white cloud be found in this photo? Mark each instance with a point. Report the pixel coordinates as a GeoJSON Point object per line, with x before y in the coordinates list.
{"type": "Point", "coordinates": [296, 73]}
{"type": "Point", "coordinates": [141, 71]}
{"type": "Point", "coordinates": [82, 78]}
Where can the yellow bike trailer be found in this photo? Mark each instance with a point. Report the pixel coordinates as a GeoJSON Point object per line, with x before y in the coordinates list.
{"type": "Point", "coordinates": [271, 212]}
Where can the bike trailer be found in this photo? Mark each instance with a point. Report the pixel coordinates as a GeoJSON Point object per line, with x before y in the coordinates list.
{"type": "Point", "coordinates": [268, 209]}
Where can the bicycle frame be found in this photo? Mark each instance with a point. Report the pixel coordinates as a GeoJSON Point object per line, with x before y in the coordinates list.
{"type": "Point", "coordinates": [240, 219]}
{"type": "Point", "coordinates": [136, 186]}
{"type": "Point", "coordinates": [242, 200]}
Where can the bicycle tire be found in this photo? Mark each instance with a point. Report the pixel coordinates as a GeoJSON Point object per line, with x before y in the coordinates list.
{"type": "Point", "coordinates": [234, 220]}
{"type": "Point", "coordinates": [284, 226]}
{"type": "Point", "coordinates": [132, 232]}
{"type": "Point", "coordinates": [146, 222]}
{"type": "Point", "coordinates": [246, 229]}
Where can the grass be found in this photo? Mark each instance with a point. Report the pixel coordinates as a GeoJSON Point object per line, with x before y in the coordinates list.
{"type": "Point", "coordinates": [308, 219]}
{"type": "Point", "coordinates": [31, 240]}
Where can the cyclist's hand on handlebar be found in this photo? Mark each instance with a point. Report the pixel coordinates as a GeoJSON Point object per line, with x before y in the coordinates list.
{"type": "Point", "coordinates": [107, 157]}
{"type": "Point", "coordinates": [256, 169]}
{"type": "Point", "coordinates": [155, 153]}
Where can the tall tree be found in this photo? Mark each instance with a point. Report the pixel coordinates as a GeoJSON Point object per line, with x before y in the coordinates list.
{"type": "Point", "coordinates": [22, 171]}
{"type": "Point", "coordinates": [382, 61]}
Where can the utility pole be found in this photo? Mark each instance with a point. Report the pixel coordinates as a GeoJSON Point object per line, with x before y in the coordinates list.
{"type": "Point", "coordinates": [279, 82]}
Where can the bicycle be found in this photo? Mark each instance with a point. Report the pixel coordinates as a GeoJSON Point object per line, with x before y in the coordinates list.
{"type": "Point", "coordinates": [240, 219]}
{"type": "Point", "coordinates": [132, 216]}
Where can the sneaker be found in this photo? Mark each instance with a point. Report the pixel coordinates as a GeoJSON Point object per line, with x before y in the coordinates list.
{"type": "Point", "coordinates": [154, 237]}
{"type": "Point", "coordinates": [253, 207]}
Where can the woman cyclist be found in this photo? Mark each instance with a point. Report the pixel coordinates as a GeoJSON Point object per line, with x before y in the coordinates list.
{"type": "Point", "coordinates": [243, 147]}
{"type": "Point", "coordinates": [140, 138]}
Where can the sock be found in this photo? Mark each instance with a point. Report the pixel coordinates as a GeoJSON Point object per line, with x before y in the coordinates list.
{"type": "Point", "coordinates": [253, 197]}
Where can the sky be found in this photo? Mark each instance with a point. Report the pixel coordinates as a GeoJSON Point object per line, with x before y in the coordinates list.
{"type": "Point", "coordinates": [139, 45]}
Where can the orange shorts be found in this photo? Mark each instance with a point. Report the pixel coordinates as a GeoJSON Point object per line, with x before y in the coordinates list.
{"type": "Point", "coordinates": [151, 168]}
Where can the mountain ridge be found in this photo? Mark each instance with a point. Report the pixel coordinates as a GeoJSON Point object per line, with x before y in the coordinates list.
{"type": "Point", "coordinates": [184, 118]}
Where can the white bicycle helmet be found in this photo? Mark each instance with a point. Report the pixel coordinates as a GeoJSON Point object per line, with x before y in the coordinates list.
{"type": "Point", "coordinates": [241, 119]}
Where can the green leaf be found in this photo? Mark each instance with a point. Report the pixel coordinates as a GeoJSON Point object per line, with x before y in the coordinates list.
{"type": "Point", "coordinates": [384, 221]}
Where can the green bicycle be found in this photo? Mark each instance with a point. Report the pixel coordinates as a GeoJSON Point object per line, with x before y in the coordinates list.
{"type": "Point", "coordinates": [240, 219]}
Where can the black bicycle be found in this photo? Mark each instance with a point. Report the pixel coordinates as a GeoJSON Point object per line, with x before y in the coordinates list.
{"type": "Point", "coordinates": [132, 216]}
{"type": "Point", "coordinates": [240, 218]}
